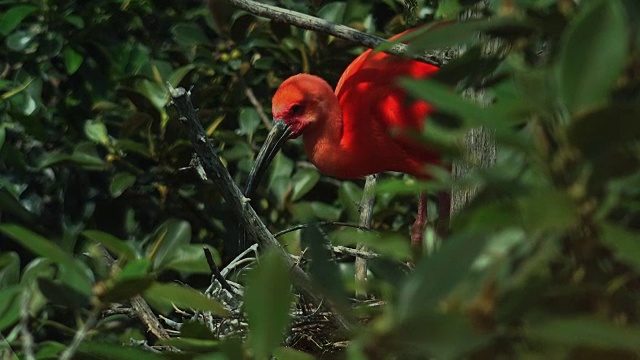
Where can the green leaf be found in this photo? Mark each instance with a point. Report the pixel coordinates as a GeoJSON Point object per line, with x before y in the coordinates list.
{"type": "Point", "coordinates": [164, 296]}
{"type": "Point", "coordinates": [9, 269]}
{"type": "Point", "coordinates": [19, 40]}
{"type": "Point", "coordinates": [96, 131]}
{"type": "Point", "coordinates": [194, 345]}
{"type": "Point", "coordinates": [72, 60]}
{"type": "Point", "coordinates": [436, 335]}
{"type": "Point", "coordinates": [547, 210]}
{"type": "Point", "coordinates": [287, 353]}
{"type": "Point", "coordinates": [190, 259]}
{"type": "Point", "coordinates": [179, 74]}
{"type": "Point", "coordinates": [585, 331]}
{"type": "Point", "coordinates": [268, 303]}
{"type": "Point", "coordinates": [333, 11]}
{"type": "Point", "coordinates": [3, 135]}
{"type": "Point", "coordinates": [597, 132]}
{"type": "Point", "coordinates": [189, 34]}
{"type": "Point", "coordinates": [248, 121]}
{"type": "Point", "coordinates": [13, 17]}
{"type": "Point", "coordinates": [437, 275]}
{"type": "Point", "coordinates": [122, 248]}
{"type": "Point", "coordinates": [78, 276]}
{"type": "Point", "coordinates": [625, 244]}
{"type": "Point", "coordinates": [133, 280]}
{"type": "Point", "coordinates": [169, 236]}
{"type": "Point", "coordinates": [61, 293]}
{"type": "Point", "coordinates": [592, 55]}
{"type": "Point", "coordinates": [121, 182]}
{"type": "Point", "coordinates": [11, 205]}
{"type": "Point", "coordinates": [108, 351]}
{"type": "Point", "coordinates": [322, 268]}
{"type": "Point", "coordinates": [350, 196]}
{"type": "Point", "coordinates": [445, 34]}
{"type": "Point", "coordinates": [303, 181]}
{"type": "Point", "coordinates": [9, 306]}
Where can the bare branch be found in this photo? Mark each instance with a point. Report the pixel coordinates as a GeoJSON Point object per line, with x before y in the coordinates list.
{"type": "Point", "coordinates": [234, 198]}
{"type": "Point", "coordinates": [340, 31]}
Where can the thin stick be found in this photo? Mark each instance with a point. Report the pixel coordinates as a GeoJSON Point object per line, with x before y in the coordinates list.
{"type": "Point", "coordinates": [236, 201]}
{"type": "Point", "coordinates": [366, 213]}
{"type": "Point", "coordinates": [340, 31]}
{"type": "Point", "coordinates": [214, 270]}
{"type": "Point", "coordinates": [320, 223]}
{"type": "Point", "coordinates": [25, 335]}
{"type": "Point", "coordinates": [256, 104]}
{"type": "Point", "coordinates": [68, 353]}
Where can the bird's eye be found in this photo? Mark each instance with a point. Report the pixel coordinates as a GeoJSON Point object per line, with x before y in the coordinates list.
{"type": "Point", "coordinates": [296, 109]}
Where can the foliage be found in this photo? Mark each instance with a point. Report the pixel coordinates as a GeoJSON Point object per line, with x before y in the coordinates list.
{"type": "Point", "coordinates": [543, 262]}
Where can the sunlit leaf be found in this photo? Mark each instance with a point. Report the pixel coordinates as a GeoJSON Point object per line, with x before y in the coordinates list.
{"type": "Point", "coordinates": [96, 131]}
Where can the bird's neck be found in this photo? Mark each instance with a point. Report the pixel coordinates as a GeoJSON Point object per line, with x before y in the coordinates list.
{"type": "Point", "coordinates": [323, 143]}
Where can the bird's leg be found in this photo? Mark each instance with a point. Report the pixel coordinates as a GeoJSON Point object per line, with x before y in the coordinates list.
{"type": "Point", "coordinates": [417, 230]}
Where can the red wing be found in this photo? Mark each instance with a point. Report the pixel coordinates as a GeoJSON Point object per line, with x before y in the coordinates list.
{"type": "Point", "coordinates": [370, 81]}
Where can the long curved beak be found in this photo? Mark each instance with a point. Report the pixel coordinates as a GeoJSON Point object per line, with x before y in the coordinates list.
{"type": "Point", "coordinates": [280, 133]}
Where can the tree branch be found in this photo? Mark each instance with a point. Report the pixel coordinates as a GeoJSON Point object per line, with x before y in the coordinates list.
{"type": "Point", "coordinates": [236, 201]}
{"type": "Point", "coordinates": [340, 31]}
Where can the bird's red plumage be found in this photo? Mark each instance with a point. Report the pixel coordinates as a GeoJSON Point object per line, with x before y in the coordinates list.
{"type": "Point", "coordinates": [363, 128]}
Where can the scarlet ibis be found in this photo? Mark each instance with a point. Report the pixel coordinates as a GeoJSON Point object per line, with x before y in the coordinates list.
{"type": "Point", "coordinates": [363, 128]}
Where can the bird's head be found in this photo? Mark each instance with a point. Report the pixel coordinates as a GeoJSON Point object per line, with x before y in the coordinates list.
{"type": "Point", "coordinates": [299, 103]}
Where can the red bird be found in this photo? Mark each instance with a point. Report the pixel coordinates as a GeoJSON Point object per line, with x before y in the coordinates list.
{"type": "Point", "coordinates": [363, 128]}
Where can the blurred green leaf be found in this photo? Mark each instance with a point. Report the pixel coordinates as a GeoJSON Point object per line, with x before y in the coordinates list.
{"type": "Point", "coordinates": [190, 259]}
{"type": "Point", "coordinates": [122, 248]}
{"type": "Point", "coordinates": [593, 54]}
{"type": "Point", "coordinates": [444, 34]}
{"type": "Point", "coordinates": [268, 303]}
{"type": "Point", "coordinates": [441, 336]}
{"type": "Point", "coordinates": [189, 34]}
{"type": "Point", "coordinates": [61, 293]}
{"type": "Point", "coordinates": [437, 275]}
{"type": "Point", "coordinates": [121, 182]}
{"type": "Point", "coordinates": [132, 280]}
{"type": "Point", "coordinates": [9, 269]}
{"type": "Point", "coordinates": [116, 351]}
{"type": "Point", "coordinates": [196, 345]}
{"type": "Point", "coordinates": [169, 236]}
{"type": "Point", "coordinates": [9, 305]}
{"type": "Point", "coordinates": [333, 11]}
{"type": "Point", "coordinates": [303, 181]}
{"type": "Point", "coordinates": [287, 353]}
{"type": "Point", "coordinates": [603, 130]}
{"type": "Point", "coordinates": [19, 41]}
{"type": "Point", "coordinates": [624, 243]}
{"type": "Point", "coordinates": [44, 247]}
{"type": "Point", "coordinates": [13, 17]}
{"type": "Point", "coordinates": [248, 121]}
{"type": "Point", "coordinates": [72, 59]}
{"type": "Point", "coordinates": [96, 131]}
{"type": "Point", "coordinates": [11, 205]}
{"type": "Point", "coordinates": [164, 296]}
{"type": "Point", "coordinates": [3, 135]}
{"type": "Point", "coordinates": [323, 268]}
{"type": "Point", "coordinates": [547, 210]}
{"type": "Point", "coordinates": [584, 331]}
